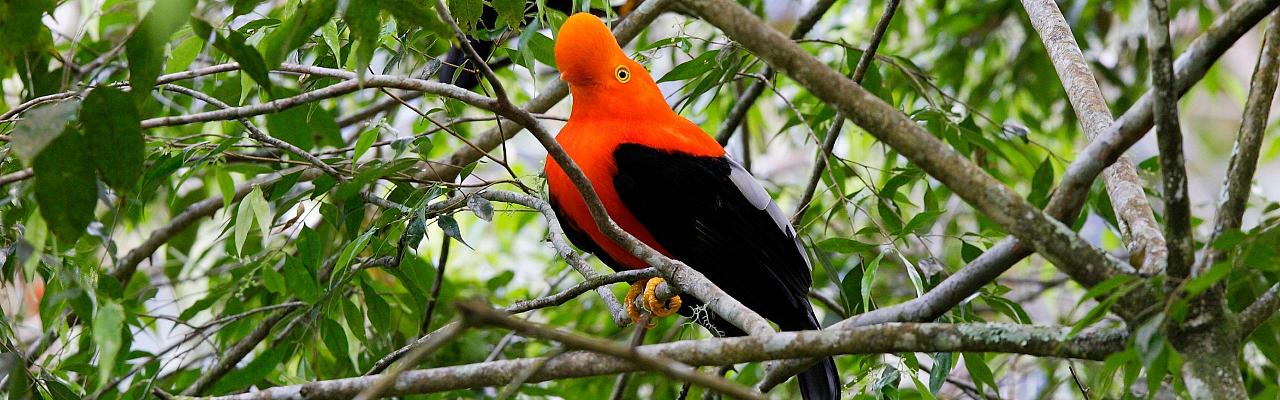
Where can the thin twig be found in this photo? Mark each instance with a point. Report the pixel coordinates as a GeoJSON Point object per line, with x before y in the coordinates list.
{"type": "Point", "coordinates": [833, 133]}
{"type": "Point", "coordinates": [441, 261]}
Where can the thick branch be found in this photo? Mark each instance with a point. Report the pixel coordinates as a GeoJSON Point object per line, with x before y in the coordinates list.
{"type": "Point", "coordinates": [1133, 212]}
{"type": "Point", "coordinates": [1177, 208]}
{"type": "Point", "coordinates": [1258, 312]}
{"type": "Point", "coordinates": [1190, 67]}
{"type": "Point", "coordinates": [878, 339]}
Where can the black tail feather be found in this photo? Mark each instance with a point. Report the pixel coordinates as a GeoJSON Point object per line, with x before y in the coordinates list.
{"type": "Point", "coordinates": [821, 381]}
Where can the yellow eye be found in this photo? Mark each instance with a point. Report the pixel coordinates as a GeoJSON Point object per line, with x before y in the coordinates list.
{"type": "Point", "coordinates": [622, 74]}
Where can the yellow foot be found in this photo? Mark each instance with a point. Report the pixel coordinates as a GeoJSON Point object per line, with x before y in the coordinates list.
{"type": "Point", "coordinates": [659, 308]}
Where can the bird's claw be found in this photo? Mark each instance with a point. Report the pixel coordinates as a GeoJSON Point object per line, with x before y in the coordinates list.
{"type": "Point", "coordinates": [646, 291]}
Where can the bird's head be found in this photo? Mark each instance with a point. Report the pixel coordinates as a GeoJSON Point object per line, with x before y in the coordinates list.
{"type": "Point", "coordinates": [591, 62]}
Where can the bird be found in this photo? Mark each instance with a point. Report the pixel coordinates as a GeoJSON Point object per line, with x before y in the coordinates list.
{"type": "Point", "coordinates": [668, 183]}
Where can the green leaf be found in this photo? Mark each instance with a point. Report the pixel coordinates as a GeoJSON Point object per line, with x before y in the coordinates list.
{"type": "Point", "coordinates": [296, 30]}
{"type": "Point", "coordinates": [40, 126]}
{"type": "Point", "coordinates": [692, 68]}
{"type": "Point", "coordinates": [363, 143]}
{"type": "Point", "coordinates": [377, 308]}
{"type": "Point", "coordinates": [226, 186]}
{"type": "Point", "coordinates": [300, 281]}
{"type": "Point", "coordinates": [65, 187]}
{"type": "Point", "coordinates": [244, 218]}
{"type": "Point", "coordinates": [466, 12]}
{"type": "Point", "coordinates": [233, 45]}
{"type": "Point", "coordinates": [21, 26]}
{"type": "Point", "coordinates": [273, 280]}
{"type": "Point", "coordinates": [844, 246]}
{"type": "Point", "coordinates": [335, 339]}
{"type": "Point", "coordinates": [510, 11]}
{"type": "Point", "coordinates": [184, 54]}
{"type": "Point", "coordinates": [978, 370]}
{"type": "Point", "coordinates": [145, 48]}
{"type": "Point", "coordinates": [108, 322]}
{"type": "Point", "coordinates": [450, 227]}
{"type": "Point", "coordinates": [113, 132]}
{"type": "Point", "coordinates": [923, 221]}
{"type": "Point", "coordinates": [362, 19]}
{"type": "Point", "coordinates": [261, 210]}
{"type": "Point", "coordinates": [351, 250]}
{"type": "Point", "coordinates": [1206, 280]}
{"type": "Point", "coordinates": [421, 14]}
{"type": "Point", "coordinates": [868, 278]}
{"type": "Point", "coordinates": [543, 49]}
{"type": "Point", "coordinates": [242, 7]}
{"type": "Point", "coordinates": [1229, 239]}
{"type": "Point", "coordinates": [941, 369]}
{"type": "Point", "coordinates": [291, 126]}
{"type": "Point", "coordinates": [1041, 183]}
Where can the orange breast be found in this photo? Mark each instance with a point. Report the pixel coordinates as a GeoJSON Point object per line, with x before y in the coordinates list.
{"type": "Point", "coordinates": [595, 158]}
{"type": "Point", "coordinates": [591, 142]}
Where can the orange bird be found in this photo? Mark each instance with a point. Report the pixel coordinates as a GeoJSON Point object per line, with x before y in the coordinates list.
{"type": "Point", "coordinates": [669, 184]}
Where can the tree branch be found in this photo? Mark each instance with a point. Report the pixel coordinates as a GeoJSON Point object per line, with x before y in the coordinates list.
{"type": "Point", "coordinates": [352, 84]}
{"type": "Point", "coordinates": [1262, 309]}
{"type": "Point", "coordinates": [258, 134]}
{"type": "Point", "coordinates": [1244, 155]}
{"type": "Point", "coordinates": [1177, 208]}
{"type": "Point", "coordinates": [877, 339]}
{"type": "Point", "coordinates": [1137, 223]}
{"type": "Point", "coordinates": [235, 353]}
{"type": "Point", "coordinates": [483, 314]}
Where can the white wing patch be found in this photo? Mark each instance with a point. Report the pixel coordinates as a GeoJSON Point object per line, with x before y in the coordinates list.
{"type": "Point", "coordinates": [760, 199]}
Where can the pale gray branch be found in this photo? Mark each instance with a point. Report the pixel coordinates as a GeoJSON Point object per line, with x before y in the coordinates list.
{"type": "Point", "coordinates": [1128, 200]}
{"type": "Point", "coordinates": [877, 339]}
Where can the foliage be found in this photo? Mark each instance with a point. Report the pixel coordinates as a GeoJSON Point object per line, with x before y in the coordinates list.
{"type": "Point", "coordinates": [340, 279]}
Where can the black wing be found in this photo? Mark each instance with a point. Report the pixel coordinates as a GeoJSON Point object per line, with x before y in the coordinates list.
{"type": "Point", "coordinates": [712, 215]}
{"type": "Point", "coordinates": [580, 239]}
